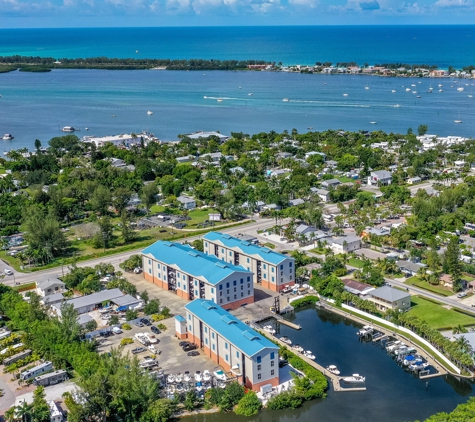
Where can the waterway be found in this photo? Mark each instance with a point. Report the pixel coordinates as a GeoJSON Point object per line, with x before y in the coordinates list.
{"type": "Point", "coordinates": [36, 105]}
{"type": "Point", "coordinates": [392, 394]}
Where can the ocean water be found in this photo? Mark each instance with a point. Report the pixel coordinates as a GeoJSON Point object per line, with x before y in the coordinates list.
{"type": "Point", "coordinates": [442, 45]}
{"type": "Point", "coordinates": [36, 105]}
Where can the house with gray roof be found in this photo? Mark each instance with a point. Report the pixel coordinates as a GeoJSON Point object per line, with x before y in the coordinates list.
{"type": "Point", "coordinates": [380, 178]}
{"type": "Point", "coordinates": [186, 202]}
{"type": "Point", "coordinates": [88, 303]}
{"type": "Point", "coordinates": [386, 298]}
{"type": "Point", "coordinates": [345, 244]}
{"type": "Point", "coordinates": [49, 285]}
{"type": "Point", "coordinates": [330, 184]}
{"type": "Point", "coordinates": [295, 202]}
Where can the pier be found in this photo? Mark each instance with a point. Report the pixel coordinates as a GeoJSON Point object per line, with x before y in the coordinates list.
{"type": "Point", "coordinates": [279, 319]}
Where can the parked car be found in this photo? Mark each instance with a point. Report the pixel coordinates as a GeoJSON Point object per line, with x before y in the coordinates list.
{"type": "Point", "coordinates": [8, 271]}
{"type": "Point", "coordinates": [116, 330]}
{"type": "Point", "coordinates": [138, 350]}
{"type": "Point", "coordinates": [139, 324]}
{"type": "Point", "coordinates": [154, 329]}
{"type": "Point", "coordinates": [184, 343]}
{"type": "Point", "coordinates": [194, 353]}
{"type": "Point", "coordinates": [145, 321]}
{"type": "Point", "coordinates": [137, 270]}
{"type": "Point", "coordinates": [462, 294]}
{"type": "Point", "coordinates": [190, 347]}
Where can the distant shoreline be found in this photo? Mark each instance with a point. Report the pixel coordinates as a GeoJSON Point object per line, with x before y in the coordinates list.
{"type": "Point", "coordinates": [38, 64]}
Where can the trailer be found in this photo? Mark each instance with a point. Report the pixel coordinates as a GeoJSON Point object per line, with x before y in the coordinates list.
{"type": "Point", "coordinates": [37, 370]}
{"type": "Point", "coordinates": [51, 378]}
{"type": "Point", "coordinates": [17, 357]}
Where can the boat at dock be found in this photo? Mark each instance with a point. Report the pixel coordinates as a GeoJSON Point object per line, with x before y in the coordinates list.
{"type": "Point", "coordinates": [269, 328]}
{"type": "Point", "coordinates": [308, 354]}
{"type": "Point", "coordinates": [354, 379]}
{"type": "Point", "coordinates": [298, 348]}
{"type": "Point", "coordinates": [366, 330]}
{"type": "Point", "coordinates": [393, 345]}
{"type": "Point", "coordinates": [412, 360]}
{"type": "Point", "coordinates": [286, 340]}
{"type": "Point", "coordinates": [333, 369]}
{"type": "Point", "coordinates": [419, 366]}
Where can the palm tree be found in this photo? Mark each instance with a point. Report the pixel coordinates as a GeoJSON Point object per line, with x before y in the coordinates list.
{"type": "Point", "coordinates": [24, 411]}
{"type": "Point", "coordinates": [459, 329]}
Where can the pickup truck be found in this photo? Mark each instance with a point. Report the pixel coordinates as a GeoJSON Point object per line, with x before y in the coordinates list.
{"type": "Point", "coordinates": [138, 350]}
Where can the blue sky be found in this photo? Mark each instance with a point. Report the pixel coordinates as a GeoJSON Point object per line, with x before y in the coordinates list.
{"type": "Point", "coordinates": [83, 13]}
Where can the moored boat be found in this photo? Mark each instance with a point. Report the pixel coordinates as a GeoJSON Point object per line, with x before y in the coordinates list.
{"type": "Point", "coordinates": [333, 369]}
{"type": "Point", "coordinates": [355, 379]}
{"type": "Point", "coordinates": [285, 340]}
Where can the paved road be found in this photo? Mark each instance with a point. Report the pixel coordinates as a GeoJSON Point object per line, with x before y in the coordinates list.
{"type": "Point", "coordinates": [120, 257]}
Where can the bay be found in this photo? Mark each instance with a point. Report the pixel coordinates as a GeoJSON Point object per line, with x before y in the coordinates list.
{"type": "Point", "coordinates": [36, 105]}
{"type": "Point", "coordinates": [392, 394]}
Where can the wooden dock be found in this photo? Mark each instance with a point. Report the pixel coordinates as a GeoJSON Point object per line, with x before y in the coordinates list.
{"type": "Point", "coordinates": [334, 379]}
{"type": "Point", "coordinates": [280, 320]}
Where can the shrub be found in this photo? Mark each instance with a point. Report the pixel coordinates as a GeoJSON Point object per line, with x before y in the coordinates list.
{"type": "Point", "coordinates": [285, 400]}
{"type": "Point", "coordinates": [307, 300]}
{"type": "Point", "coordinates": [126, 341]}
{"type": "Point", "coordinates": [130, 314]}
{"type": "Point", "coordinates": [248, 405]}
{"type": "Point", "coordinates": [162, 327]}
{"type": "Point", "coordinates": [126, 326]}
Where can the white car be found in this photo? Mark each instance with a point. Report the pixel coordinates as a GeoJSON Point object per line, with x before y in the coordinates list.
{"type": "Point", "coordinates": [137, 270]}
{"type": "Point", "coordinates": [116, 330]}
{"type": "Point", "coordinates": [8, 271]}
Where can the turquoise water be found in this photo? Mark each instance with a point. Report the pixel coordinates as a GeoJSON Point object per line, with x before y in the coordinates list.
{"type": "Point", "coordinates": [37, 105]}
{"type": "Point", "coordinates": [442, 45]}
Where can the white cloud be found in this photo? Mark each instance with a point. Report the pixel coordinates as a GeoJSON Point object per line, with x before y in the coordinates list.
{"type": "Point", "coordinates": [304, 3]}
{"type": "Point", "coordinates": [453, 3]}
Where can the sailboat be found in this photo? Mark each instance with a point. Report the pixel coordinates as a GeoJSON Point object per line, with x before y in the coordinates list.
{"type": "Point", "coordinates": [471, 93]}
{"type": "Point", "coordinates": [458, 120]}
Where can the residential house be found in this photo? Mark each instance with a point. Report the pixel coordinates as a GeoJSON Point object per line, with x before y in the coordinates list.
{"type": "Point", "coordinates": [192, 274]}
{"type": "Point", "coordinates": [357, 288]}
{"type": "Point", "coordinates": [233, 345]}
{"type": "Point", "coordinates": [186, 202]}
{"type": "Point", "coordinates": [323, 194]}
{"type": "Point", "coordinates": [386, 298]}
{"type": "Point", "coordinates": [345, 244]}
{"type": "Point", "coordinates": [283, 155]}
{"type": "Point", "coordinates": [409, 268]}
{"type": "Point", "coordinates": [197, 135]}
{"type": "Point", "coordinates": [414, 180]}
{"type": "Point", "coordinates": [55, 415]}
{"type": "Point", "coordinates": [296, 202]}
{"type": "Point", "coordinates": [184, 159]}
{"type": "Point", "coordinates": [380, 178]}
{"type": "Point", "coordinates": [49, 285]}
{"type": "Point", "coordinates": [330, 184]}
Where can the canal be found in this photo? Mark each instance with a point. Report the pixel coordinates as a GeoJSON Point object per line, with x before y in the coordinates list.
{"type": "Point", "coordinates": [392, 394]}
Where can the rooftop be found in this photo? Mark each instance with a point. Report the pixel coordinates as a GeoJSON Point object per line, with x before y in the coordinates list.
{"type": "Point", "coordinates": [193, 262]}
{"type": "Point", "coordinates": [247, 248]}
{"type": "Point", "coordinates": [95, 298]}
{"type": "Point", "coordinates": [244, 338]}
{"type": "Point", "coordinates": [389, 294]}
{"type": "Point", "coordinates": [45, 282]}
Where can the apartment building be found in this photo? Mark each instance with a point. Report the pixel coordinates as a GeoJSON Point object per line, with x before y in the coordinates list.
{"type": "Point", "coordinates": [271, 269]}
{"type": "Point", "coordinates": [233, 345]}
{"type": "Point", "coordinates": [192, 274]}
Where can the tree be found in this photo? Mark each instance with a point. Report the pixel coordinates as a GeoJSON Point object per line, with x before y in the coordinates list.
{"type": "Point", "coordinates": [145, 296]}
{"type": "Point", "coordinates": [104, 237]}
{"type": "Point", "coordinates": [459, 329]}
{"type": "Point", "coordinates": [148, 194]}
{"type": "Point", "coordinates": [190, 400]}
{"type": "Point", "coordinates": [131, 314]}
{"type": "Point", "coordinates": [128, 233]}
{"type": "Point", "coordinates": [114, 320]}
{"type": "Point", "coordinates": [24, 411]}
{"type": "Point", "coordinates": [121, 199]}
{"type": "Point", "coordinates": [101, 199]}
{"type": "Point", "coordinates": [40, 406]}
{"type": "Point", "coordinates": [249, 405]}
{"type": "Point", "coordinates": [451, 263]}
{"type": "Point", "coordinates": [152, 307]}
{"type": "Point", "coordinates": [159, 411]}
{"type": "Point", "coordinates": [90, 326]}
{"type": "Point", "coordinates": [198, 245]}
{"type": "Point", "coordinates": [422, 130]}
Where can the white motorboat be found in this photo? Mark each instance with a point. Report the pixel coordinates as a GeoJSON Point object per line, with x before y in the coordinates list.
{"type": "Point", "coordinates": [198, 377]}
{"type": "Point", "coordinates": [373, 123]}
{"type": "Point", "coordinates": [309, 355]}
{"type": "Point", "coordinates": [297, 348]}
{"type": "Point", "coordinates": [206, 375]}
{"type": "Point", "coordinates": [393, 91]}
{"type": "Point", "coordinates": [286, 340]}
{"type": "Point", "coordinates": [458, 121]}
{"type": "Point", "coordinates": [199, 386]}
{"type": "Point", "coordinates": [367, 329]}
{"type": "Point", "coordinates": [408, 89]}
{"type": "Point", "coordinates": [397, 105]}
{"type": "Point", "coordinates": [187, 377]}
{"type": "Point", "coordinates": [219, 100]}
{"type": "Point", "coordinates": [68, 129]}
{"type": "Point", "coordinates": [149, 112]}
{"type": "Point", "coordinates": [269, 328]}
{"type": "Point", "coordinates": [178, 377]}
{"type": "Point", "coordinates": [413, 84]}
{"type": "Point", "coordinates": [179, 388]}
{"type": "Point", "coordinates": [440, 85]}
{"type": "Point", "coordinates": [250, 94]}
{"type": "Point", "coordinates": [333, 369]}
{"type": "Point", "coordinates": [441, 90]}
{"type": "Point", "coordinates": [170, 378]}
{"type": "Point", "coordinates": [460, 89]}
{"type": "Point", "coordinates": [7, 137]}
{"type": "Point", "coordinates": [345, 95]}
{"type": "Point", "coordinates": [354, 379]}
{"type": "Point", "coordinates": [285, 100]}
{"type": "Point", "coordinates": [412, 360]}
{"type": "Point", "coordinates": [391, 346]}
{"type": "Point", "coordinates": [414, 92]}
{"type": "Point", "coordinates": [419, 366]}
{"type": "Point", "coordinates": [366, 87]}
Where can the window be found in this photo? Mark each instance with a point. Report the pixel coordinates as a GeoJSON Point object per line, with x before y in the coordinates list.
{"type": "Point", "coordinates": [184, 287]}
{"type": "Point", "coordinates": [206, 243]}
{"type": "Point", "coordinates": [235, 289]}
{"type": "Point", "coordinates": [258, 376]}
{"type": "Point", "coordinates": [164, 278]}
{"type": "Point", "coordinates": [265, 266]}
{"type": "Point", "coordinates": [237, 354]}
{"type": "Point", "coordinates": [271, 363]}
{"type": "Point", "coordinates": [206, 329]}
{"type": "Point", "coordinates": [189, 328]}
{"type": "Point", "coordinates": [196, 282]}
{"type": "Point", "coordinates": [242, 294]}
{"type": "Point", "coordinates": [220, 287]}
{"type": "Point", "coordinates": [290, 264]}
{"type": "Point", "coordinates": [235, 296]}
{"type": "Point", "coordinates": [184, 278]}
{"type": "Point", "coordinates": [158, 275]}
{"type": "Point", "coordinates": [214, 347]}
{"type": "Point", "coordinates": [226, 346]}
{"type": "Point", "coordinates": [227, 358]}
{"type": "Point", "coordinates": [248, 260]}
{"type": "Point", "coordinates": [272, 268]}
{"type": "Point", "coordinates": [222, 250]}
{"type": "Point", "coordinates": [178, 275]}
{"type": "Point", "coordinates": [242, 287]}
{"type": "Point", "coordinates": [164, 268]}
{"type": "Point", "coordinates": [258, 367]}
{"type": "Point", "coordinates": [265, 276]}
{"type": "Point", "coordinates": [273, 279]}
{"type": "Point", "coordinates": [179, 285]}
{"type": "Point", "coordinates": [189, 317]}
{"type": "Point", "coordinates": [272, 372]}
{"type": "Point", "coordinates": [150, 271]}
{"type": "Point", "coordinates": [227, 285]}
{"type": "Point", "coordinates": [248, 285]}
{"type": "Point", "coordinates": [212, 289]}
{"type": "Point", "coordinates": [248, 292]}
{"type": "Point", "coordinates": [272, 355]}
{"type": "Point", "coordinates": [206, 341]}
{"type": "Point", "coordinates": [248, 278]}
{"type": "Point", "coordinates": [149, 262]}
{"type": "Point", "coordinates": [234, 282]}
{"type": "Point", "coordinates": [227, 298]}
{"type": "Point", "coordinates": [220, 293]}
{"type": "Point", "coordinates": [196, 293]}
{"type": "Point", "coordinates": [230, 253]}
{"type": "Point", "coordinates": [212, 335]}
{"type": "Point", "coordinates": [242, 281]}
{"type": "Point", "coordinates": [258, 359]}
{"type": "Point", "coordinates": [281, 266]}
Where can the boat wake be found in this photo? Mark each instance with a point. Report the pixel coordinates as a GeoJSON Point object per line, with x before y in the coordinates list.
{"type": "Point", "coordinates": [326, 104]}
{"type": "Point", "coordinates": [225, 98]}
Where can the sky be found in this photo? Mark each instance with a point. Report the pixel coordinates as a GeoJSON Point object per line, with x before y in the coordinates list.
{"type": "Point", "coordinates": [117, 13]}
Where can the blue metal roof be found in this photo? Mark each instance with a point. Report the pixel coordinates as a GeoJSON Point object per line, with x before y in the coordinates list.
{"type": "Point", "coordinates": [180, 318]}
{"type": "Point", "coordinates": [193, 262]}
{"type": "Point", "coordinates": [243, 337]}
{"type": "Point", "coordinates": [247, 248]}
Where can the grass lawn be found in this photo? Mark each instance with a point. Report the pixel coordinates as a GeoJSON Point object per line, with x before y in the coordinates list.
{"type": "Point", "coordinates": [344, 179]}
{"type": "Point", "coordinates": [467, 278]}
{"type": "Point", "coordinates": [355, 262]}
{"type": "Point", "coordinates": [200, 216]}
{"type": "Point", "coordinates": [269, 245]}
{"type": "Point", "coordinates": [440, 290]}
{"type": "Point", "coordinates": [154, 209]}
{"type": "Point", "coordinates": [318, 251]}
{"type": "Point", "coordinates": [437, 316]}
